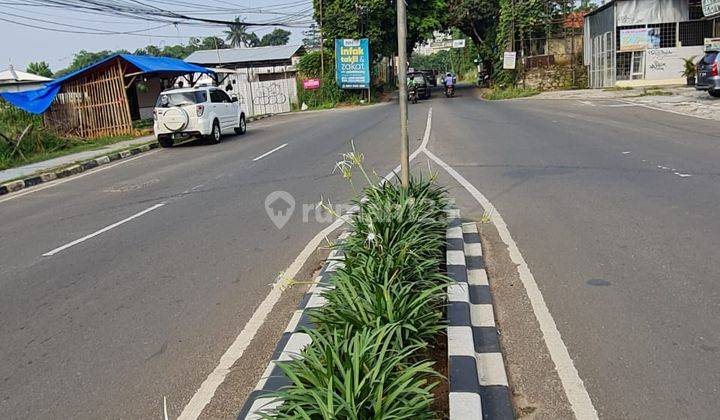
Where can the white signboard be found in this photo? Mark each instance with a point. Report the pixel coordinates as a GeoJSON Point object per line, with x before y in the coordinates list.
{"type": "Point", "coordinates": [711, 7]}
{"type": "Point", "coordinates": [712, 44]}
{"type": "Point", "coordinates": [509, 59]}
{"type": "Point", "coordinates": [641, 12]}
{"type": "Point", "coordinates": [458, 43]}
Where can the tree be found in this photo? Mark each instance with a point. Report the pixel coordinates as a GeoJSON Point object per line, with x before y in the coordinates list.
{"type": "Point", "coordinates": [252, 40]}
{"type": "Point", "coordinates": [238, 36]}
{"type": "Point", "coordinates": [376, 20]}
{"type": "Point", "coordinates": [312, 37]}
{"type": "Point", "coordinates": [276, 37]}
{"type": "Point", "coordinates": [477, 19]}
{"type": "Point", "coordinates": [85, 58]}
{"type": "Point", "coordinates": [212, 43]}
{"type": "Point", "coordinates": [40, 68]}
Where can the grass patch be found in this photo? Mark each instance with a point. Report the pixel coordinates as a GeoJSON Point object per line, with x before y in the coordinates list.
{"type": "Point", "coordinates": [509, 93]}
{"type": "Point", "coordinates": [39, 143]}
{"type": "Point", "coordinates": [617, 88]}
{"type": "Point", "coordinates": [654, 91]}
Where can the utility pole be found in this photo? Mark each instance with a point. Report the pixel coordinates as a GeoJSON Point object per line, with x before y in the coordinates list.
{"type": "Point", "coordinates": [402, 82]}
{"type": "Point", "coordinates": [322, 47]}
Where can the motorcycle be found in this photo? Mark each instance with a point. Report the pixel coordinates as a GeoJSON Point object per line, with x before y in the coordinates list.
{"type": "Point", "coordinates": [449, 90]}
{"type": "Point", "coordinates": [413, 96]}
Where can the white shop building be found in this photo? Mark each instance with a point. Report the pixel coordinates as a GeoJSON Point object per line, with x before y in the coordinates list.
{"type": "Point", "coordinates": [643, 42]}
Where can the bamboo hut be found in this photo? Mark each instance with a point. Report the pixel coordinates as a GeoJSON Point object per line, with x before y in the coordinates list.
{"type": "Point", "coordinates": [93, 101]}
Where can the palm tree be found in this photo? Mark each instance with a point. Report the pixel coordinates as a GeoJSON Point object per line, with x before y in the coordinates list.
{"type": "Point", "coordinates": [237, 34]}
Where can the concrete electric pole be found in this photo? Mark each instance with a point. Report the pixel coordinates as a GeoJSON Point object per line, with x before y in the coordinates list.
{"type": "Point", "coordinates": [402, 82]}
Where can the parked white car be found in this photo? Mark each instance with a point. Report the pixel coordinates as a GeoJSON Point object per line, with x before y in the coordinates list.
{"type": "Point", "coordinates": [204, 111]}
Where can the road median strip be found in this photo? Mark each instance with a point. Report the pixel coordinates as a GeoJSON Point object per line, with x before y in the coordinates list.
{"type": "Point", "coordinates": [477, 380]}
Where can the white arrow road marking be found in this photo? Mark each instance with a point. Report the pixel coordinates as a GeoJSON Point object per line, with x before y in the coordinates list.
{"type": "Point", "coordinates": [270, 152]}
{"type": "Point", "coordinates": [101, 231]}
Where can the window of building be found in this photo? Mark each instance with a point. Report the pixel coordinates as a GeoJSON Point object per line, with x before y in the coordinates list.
{"type": "Point", "coordinates": [694, 32]}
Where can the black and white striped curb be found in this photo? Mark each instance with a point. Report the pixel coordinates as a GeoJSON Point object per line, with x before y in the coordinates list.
{"type": "Point", "coordinates": [292, 342]}
{"type": "Point", "coordinates": [65, 171]}
{"type": "Point", "coordinates": [477, 379]}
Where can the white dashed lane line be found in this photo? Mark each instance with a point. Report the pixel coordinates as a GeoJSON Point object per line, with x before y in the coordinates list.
{"type": "Point", "coordinates": [101, 231]}
{"type": "Point", "coordinates": [269, 152]}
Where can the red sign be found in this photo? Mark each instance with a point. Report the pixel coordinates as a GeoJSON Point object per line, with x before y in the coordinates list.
{"type": "Point", "coordinates": [311, 84]}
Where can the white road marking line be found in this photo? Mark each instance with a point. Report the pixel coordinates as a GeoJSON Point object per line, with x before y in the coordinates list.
{"type": "Point", "coordinates": [574, 388]}
{"type": "Point", "coordinates": [101, 231]}
{"type": "Point", "coordinates": [270, 152]}
{"type": "Point", "coordinates": [625, 153]}
{"type": "Point", "coordinates": [206, 392]}
{"type": "Point", "coordinates": [72, 178]}
{"type": "Point", "coordinates": [619, 105]}
{"type": "Point", "coordinates": [666, 110]}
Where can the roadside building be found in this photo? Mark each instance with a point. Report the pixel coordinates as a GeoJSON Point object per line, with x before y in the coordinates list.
{"type": "Point", "coordinates": [644, 42]}
{"type": "Point", "coordinates": [263, 78]}
{"type": "Point", "coordinates": [104, 98]}
{"type": "Point", "coordinates": [12, 80]}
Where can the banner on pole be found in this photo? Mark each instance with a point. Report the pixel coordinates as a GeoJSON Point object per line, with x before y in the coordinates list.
{"type": "Point", "coordinates": [352, 63]}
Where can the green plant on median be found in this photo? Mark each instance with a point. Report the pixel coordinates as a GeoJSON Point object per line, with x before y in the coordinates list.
{"type": "Point", "coordinates": [509, 93]}
{"type": "Point", "coordinates": [367, 358]}
{"type": "Point", "coordinates": [350, 374]}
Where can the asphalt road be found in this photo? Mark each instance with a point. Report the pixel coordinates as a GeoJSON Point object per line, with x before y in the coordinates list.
{"type": "Point", "coordinates": [615, 209]}
{"type": "Point", "coordinates": [108, 327]}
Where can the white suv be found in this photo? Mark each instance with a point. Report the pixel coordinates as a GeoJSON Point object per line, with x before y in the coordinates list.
{"type": "Point", "coordinates": [196, 112]}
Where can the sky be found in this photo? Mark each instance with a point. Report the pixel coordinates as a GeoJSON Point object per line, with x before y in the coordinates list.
{"type": "Point", "coordinates": [21, 45]}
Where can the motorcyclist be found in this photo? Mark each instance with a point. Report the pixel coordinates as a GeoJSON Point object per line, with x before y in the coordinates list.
{"type": "Point", "coordinates": [411, 84]}
{"type": "Point", "coordinates": [448, 80]}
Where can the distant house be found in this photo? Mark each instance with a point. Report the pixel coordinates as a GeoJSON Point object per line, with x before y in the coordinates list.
{"type": "Point", "coordinates": [644, 42]}
{"type": "Point", "coordinates": [264, 77]}
{"type": "Point", "coordinates": [12, 80]}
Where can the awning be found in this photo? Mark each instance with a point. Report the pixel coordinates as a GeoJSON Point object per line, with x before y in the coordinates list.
{"type": "Point", "coordinates": [38, 101]}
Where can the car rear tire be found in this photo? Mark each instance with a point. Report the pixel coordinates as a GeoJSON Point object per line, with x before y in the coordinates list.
{"type": "Point", "coordinates": [714, 93]}
{"type": "Point", "coordinates": [214, 137]}
{"type": "Point", "coordinates": [242, 127]}
{"type": "Point", "coordinates": [165, 141]}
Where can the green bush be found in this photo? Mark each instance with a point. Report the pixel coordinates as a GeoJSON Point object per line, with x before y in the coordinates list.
{"type": "Point", "coordinates": [40, 142]}
{"type": "Point", "coordinates": [366, 359]}
{"type": "Point", "coordinates": [13, 122]}
{"type": "Point", "coordinates": [346, 374]}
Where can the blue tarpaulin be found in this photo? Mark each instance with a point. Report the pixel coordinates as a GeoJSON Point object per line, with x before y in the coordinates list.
{"type": "Point", "coordinates": [38, 101]}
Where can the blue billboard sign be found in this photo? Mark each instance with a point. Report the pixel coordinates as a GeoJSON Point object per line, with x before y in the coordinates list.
{"type": "Point", "coordinates": [352, 63]}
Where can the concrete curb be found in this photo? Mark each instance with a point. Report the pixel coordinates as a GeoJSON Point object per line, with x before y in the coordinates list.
{"type": "Point", "coordinates": [476, 370]}
{"type": "Point", "coordinates": [82, 166]}
{"type": "Point", "coordinates": [291, 343]}
{"type": "Point", "coordinates": [65, 171]}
